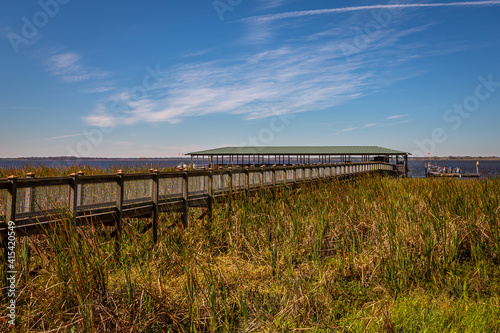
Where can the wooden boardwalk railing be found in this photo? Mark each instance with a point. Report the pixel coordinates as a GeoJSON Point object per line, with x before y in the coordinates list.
{"type": "Point", "coordinates": [34, 204]}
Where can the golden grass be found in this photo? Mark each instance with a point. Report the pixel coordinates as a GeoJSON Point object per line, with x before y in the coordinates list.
{"type": "Point", "coordinates": [375, 254]}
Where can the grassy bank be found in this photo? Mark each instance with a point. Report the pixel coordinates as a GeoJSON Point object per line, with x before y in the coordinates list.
{"type": "Point", "coordinates": [376, 254]}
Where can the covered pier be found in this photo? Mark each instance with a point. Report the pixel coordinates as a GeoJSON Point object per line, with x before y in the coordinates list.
{"type": "Point", "coordinates": [298, 155]}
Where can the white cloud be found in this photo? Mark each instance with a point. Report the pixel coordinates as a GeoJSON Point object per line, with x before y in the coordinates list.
{"type": "Point", "coordinates": [288, 78]}
{"type": "Point", "coordinates": [347, 129]}
{"type": "Point", "coordinates": [268, 4]}
{"type": "Point", "coordinates": [68, 66]}
{"type": "Point", "coordinates": [287, 15]}
{"type": "Point", "coordinates": [396, 116]}
{"type": "Point", "coordinates": [298, 74]}
{"type": "Point", "coordinates": [64, 136]}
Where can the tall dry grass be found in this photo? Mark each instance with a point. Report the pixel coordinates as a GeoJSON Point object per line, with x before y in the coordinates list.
{"type": "Point", "coordinates": [41, 170]}
{"type": "Point", "coordinates": [374, 254]}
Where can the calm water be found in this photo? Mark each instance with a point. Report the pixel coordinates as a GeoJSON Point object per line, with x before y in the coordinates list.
{"type": "Point", "coordinates": [487, 168]}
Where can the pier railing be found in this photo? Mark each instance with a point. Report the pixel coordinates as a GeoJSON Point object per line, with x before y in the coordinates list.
{"type": "Point", "coordinates": [35, 203]}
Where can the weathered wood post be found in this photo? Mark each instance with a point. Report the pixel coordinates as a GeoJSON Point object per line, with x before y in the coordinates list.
{"type": "Point", "coordinates": [247, 180]}
{"type": "Point", "coordinates": [30, 205]}
{"type": "Point", "coordinates": [273, 179]}
{"type": "Point", "coordinates": [406, 165]}
{"type": "Point", "coordinates": [210, 199]}
{"type": "Point", "coordinates": [30, 195]}
{"type": "Point", "coordinates": [81, 196]}
{"type": "Point", "coordinates": [73, 197]}
{"type": "Point", "coordinates": [154, 197]}
{"type": "Point", "coordinates": [230, 174]}
{"type": "Point", "coordinates": [262, 180]}
{"type": "Point", "coordinates": [185, 197]}
{"type": "Point", "coordinates": [285, 177]}
{"type": "Point", "coordinates": [120, 194]}
{"type": "Point", "coordinates": [11, 199]}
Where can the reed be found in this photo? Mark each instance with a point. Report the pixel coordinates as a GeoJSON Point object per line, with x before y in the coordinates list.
{"type": "Point", "coordinates": [373, 254]}
{"type": "Point", "coordinates": [41, 170]}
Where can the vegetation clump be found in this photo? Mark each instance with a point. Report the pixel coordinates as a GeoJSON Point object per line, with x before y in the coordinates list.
{"type": "Point", "coordinates": [373, 254]}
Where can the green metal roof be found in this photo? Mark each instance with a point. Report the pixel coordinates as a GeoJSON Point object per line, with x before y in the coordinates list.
{"type": "Point", "coordinates": [301, 150]}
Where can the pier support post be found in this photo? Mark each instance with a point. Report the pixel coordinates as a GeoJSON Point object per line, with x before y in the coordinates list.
{"type": "Point", "coordinates": [273, 177]}
{"type": "Point", "coordinates": [120, 195]}
{"type": "Point", "coordinates": [230, 174]}
{"type": "Point", "coordinates": [262, 180]}
{"type": "Point", "coordinates": [247, 181]}
{"type": "Point", "coordinates": [30, 195]}
{"type": "Point", "coordinates": [154, 197]}
{"type": "Point", "coordinates": [185, 196]}
{"type": "Point", "coordinates": [73, 197]}
{"type": "Point", "coordinates": [210, 199]}
{"type": "Point", "coordinates": [406, 166]}
{"type": "Point", "coordinates": [80, 189]}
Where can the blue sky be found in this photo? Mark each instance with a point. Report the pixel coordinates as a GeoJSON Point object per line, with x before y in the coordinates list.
{"type": "Point", "coordinates": [162, 78]}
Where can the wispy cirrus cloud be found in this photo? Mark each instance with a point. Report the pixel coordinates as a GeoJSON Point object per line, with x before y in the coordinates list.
{"type": "Point", "coordinates": [268, 4]}
{"type": "Point", "coordinates": [69, 67]}
{"type": "Point", "coordinates": [289, 78]}
{"type": "Point", "coordinates": [295, 14]}
{"type": "Point", "coordinates": [63, 136]}
{"type": "Point", "coordinates": [370, 125]}
{"type": "Point", "coordinates": [293, 74]}
{"type": "Point", "coordinates": [383, 123]}
{"type": "Point", "coordinates": [396, 116]}
{"type": "Point", "coordinates": [347, 129]}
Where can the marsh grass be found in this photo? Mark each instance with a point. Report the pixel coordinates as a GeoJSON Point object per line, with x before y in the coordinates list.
{"type": "Point", "coordinates": [41, 170]}
{"type": "Point", "coordinates": [374, 254]}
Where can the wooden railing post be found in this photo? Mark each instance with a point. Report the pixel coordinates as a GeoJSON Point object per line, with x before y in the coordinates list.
{"type": "Point", "coordinates": [247, 180]}
{"type": "Point", "coordinates": [210, 198]}
{"type": "Point", "coordinates": [230, 173]}
{"type": "Point", "coordinates": [262, 180]}
{"type": "Point", "coordinates": [11, 199]}
{"type": "Point", "coordinates": [29, 201]}
{"type": "Point", "coordinates": [81, 196]}
{"type": "Point", "coordinates": [273, 177]}
{"type": "Point", "coordinates": [154, 198]}
{"type": "Point", "coordinates": [73, 197]}
{"type": "Point", "coordinates": [120, 195]}
{"type": "Point", "coordinates": [185, 196]}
